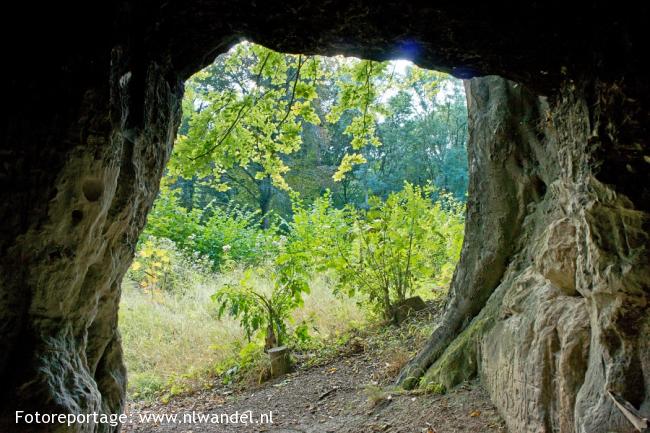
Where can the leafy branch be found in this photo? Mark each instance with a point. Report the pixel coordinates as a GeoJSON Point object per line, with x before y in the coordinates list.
{"type": "Point", "coordinates": [239, 113]}
{"type": "Point", "coordinates": [293, 92]}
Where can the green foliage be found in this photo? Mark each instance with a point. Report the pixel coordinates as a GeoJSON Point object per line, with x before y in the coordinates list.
{"type": "Point", "coordinates": [347, 164]}
{"type": "Point", "coordinates": [311, 233]}
{"type": "Point", "coordinates": [301, 334]}
{"type": "Point", "coordinates": [258, 124]}
{"type": "Point", "coordinates": [359, 90]}
{"type": "Point", "coordinates": [265, 308]}
{"type": "Point", "coordinates": [160, 267]}
{"type": "Point", "coordinates": [249, 354]}
{"type": "Point", "coordinates": [146, 385]}
{"type": "Point", "coordinates": [319, 234]}
{"type": "Point", "coordinates": [214, 233]}
{"type": "Point", "coordinates": [251, 116]}
{"type": "Point", "coordinates": [400, 245]}
{"type": "Point", "coordinates": [292, 173]}
{"type": "Point", "coordinates": [423, 139]}
{"type": "Point", "coordinates": [387, 252]}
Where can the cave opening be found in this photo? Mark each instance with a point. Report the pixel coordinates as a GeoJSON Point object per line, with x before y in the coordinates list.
{"type": "Point", "coordinates": [549, 304]}
{"type": "Point", "coordinates": [280, 153]}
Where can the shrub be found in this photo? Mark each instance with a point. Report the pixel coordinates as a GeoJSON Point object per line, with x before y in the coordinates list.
{"type": "Point", "coordinates": [160, 267]}
{"type": "Point", "coordinates": [215, 232]}
{"type": "Point", "coordinates": [265, 307]}
{"type": "Point", "coordinates": [320, 234]}
{"type": "Point", "coordinates": [396, 247]}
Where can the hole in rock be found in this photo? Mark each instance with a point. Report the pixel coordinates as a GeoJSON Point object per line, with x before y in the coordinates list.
{"type": "Point", "coordinates": [93, 189]}
{"type": "Point", "coordinates": [539, 188]}
{"type": "Point", "coordinates": [77, 216]}
{"type": "Point", "coordinates": [313, 209]}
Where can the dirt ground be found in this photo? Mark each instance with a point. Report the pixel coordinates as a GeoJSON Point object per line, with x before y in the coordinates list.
{"type": "Point", "coordinates": [347, 395]}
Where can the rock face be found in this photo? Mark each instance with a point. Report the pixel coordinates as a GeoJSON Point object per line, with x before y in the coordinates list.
{"type": "Point", "coordinates": [568, 316]}
{"type": "Point", "coordinates": [550, 302]}
{"type": "Point", "coordinates": [61, 350]}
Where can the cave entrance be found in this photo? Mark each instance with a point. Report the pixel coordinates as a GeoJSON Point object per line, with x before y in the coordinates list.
{"type": "Point", "coordinates": [310, 203]}
{"type": "Point", "coordinates": [549, 303]}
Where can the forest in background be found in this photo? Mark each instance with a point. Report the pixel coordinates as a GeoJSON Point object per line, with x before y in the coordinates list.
{"type": "Point", "coordinates": [405, 123]}
{"type": "Point", "coordinates": [306, 196]}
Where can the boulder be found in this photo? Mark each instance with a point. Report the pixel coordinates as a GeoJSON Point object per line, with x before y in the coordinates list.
{"type": "Point", "coordinates": [404, 309]}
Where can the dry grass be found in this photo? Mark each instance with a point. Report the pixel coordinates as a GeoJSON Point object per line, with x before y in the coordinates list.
{"type": "Point", "coordinates": [396, 358]}
{"type": "Point", "coordinates": [173, 343]}
{"type": "Point", "coordinates": [171, 337]}
{"type": "Point", "coordinates": [329, 315]}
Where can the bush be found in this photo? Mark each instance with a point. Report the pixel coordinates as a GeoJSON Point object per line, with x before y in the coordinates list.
{"type": "Point", "coordinates": [395, 248]}
{"type": "Point", "coordinates": [400, 245]}
{"type": "Point", "coordinates": [267, 306]}
{"type": "Point", "coordinates": [160, 267]}
{"type": "Point", "coordinates": [214, 232]}
{"type": "Point", "coordinates": [320, 234]}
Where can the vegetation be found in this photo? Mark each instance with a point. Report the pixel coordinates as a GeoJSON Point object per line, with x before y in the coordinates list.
{"type": "Point", "coordinates": [305, 196]}
{"type": "Point", "coordinates": [398, 246]}
{"type": "Point", "coordinates": [175, 343]}
{"type": "Point", "coordinates": [259, 125]}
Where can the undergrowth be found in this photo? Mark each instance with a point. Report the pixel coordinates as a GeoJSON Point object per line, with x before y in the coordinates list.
{"type": "Point", "coordinates": [174, 343]}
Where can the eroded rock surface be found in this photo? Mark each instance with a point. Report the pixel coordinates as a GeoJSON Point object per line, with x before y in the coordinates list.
{"type": "Point", "coordinates": [61, 350]}
{"type": "Point", "coordinates": [568, 319]}
{"type": "Point", "coordinates": [550, 301]}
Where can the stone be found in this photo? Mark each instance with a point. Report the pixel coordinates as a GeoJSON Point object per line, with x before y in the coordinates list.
{"type": "Point", "coordinates": [556, 259]}
{"type": "Point", "coordinates": [406, 308]}
{"type": "Point", "coordinates": [551, 337]}
{"type": "Point", "coordinates": [549, 304]}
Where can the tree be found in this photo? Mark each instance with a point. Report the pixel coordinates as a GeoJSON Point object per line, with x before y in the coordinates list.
{"type": "Point", "coordinates": [247, 121]}
{"type": "Point", "coordinates": [423, 137]}
{"type": "Point", "coordinates": [245, 118]}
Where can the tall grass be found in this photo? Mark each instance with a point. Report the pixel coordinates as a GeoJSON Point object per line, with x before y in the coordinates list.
{"type": "Point", "coordinates": [170, 336]}
{"type": "Point", "coordinates": [327, 314]}
{"type": "Point", "coordinates": [175, 342]}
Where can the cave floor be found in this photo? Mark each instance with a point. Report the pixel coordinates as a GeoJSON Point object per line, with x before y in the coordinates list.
{"type": "Point", "coordinates": [342, 396]}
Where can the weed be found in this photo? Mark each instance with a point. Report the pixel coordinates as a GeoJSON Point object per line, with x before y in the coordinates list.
{"type": "Point", "coordinates": [434, 388]}
{"type": "Point", "coordinates": [375, 395]}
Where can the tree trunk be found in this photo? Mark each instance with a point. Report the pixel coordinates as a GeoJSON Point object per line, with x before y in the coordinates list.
{"type": "Point", "coordinates": [280, 361]}
{"type": "Point", "coordinates": [266, 194]}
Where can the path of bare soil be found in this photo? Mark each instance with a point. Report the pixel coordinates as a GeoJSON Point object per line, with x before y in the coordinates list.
{"type": "Point", "coordinates": [345, 395]}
